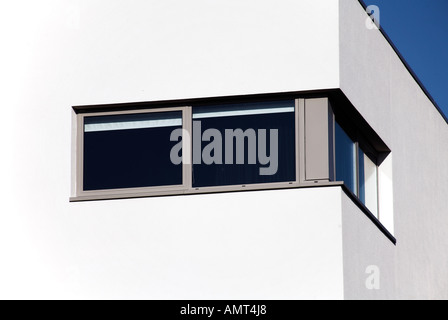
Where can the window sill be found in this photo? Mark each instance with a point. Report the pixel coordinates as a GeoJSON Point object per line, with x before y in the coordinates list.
{"type": "Point", "coordinates": [193, 191]}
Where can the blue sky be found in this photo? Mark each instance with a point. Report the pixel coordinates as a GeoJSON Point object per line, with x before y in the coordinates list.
{"type": "Point", "coordinates": [419, 29]}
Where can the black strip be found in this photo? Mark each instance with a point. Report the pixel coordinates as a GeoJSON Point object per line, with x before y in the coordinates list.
{"type": "Point", "coordinates": [409, 68]}
{"type": "Point", "coordinates": [369, 214]}
{"type": "Point", "coordinates": [224, 309]}
{"type": "Point", "coordinates": [197, 102]}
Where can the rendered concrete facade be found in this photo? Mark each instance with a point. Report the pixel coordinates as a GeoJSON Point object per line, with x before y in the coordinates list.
{"type": "Point", "coordinates": [284, 244]}
{"type": "Point", "coordinates": [382, 89]}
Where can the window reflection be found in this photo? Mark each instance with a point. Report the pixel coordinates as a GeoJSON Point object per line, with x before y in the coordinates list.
{"type": "Point", "coordinates": [357, 170]}
{"type": "Point", "coordinates": [346, 160]}
{"type": "Point", "coordinates": [130, 151]}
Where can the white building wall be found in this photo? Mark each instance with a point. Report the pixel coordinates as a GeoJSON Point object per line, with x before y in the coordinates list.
{"type": "Point", "coordinates": [256, 245]}
{"type": "Point", "coordinates": [378, 84]}
{"type": "Point", "coordinates": [93, 51]}
{"type": "Point", "coordinates": [369, 257]}
{"type": "Point", "coordinates": [60, 53]}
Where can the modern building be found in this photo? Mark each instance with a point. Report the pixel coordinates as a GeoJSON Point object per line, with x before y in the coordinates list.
{"type": "Point", "coordinates": [125, 174]}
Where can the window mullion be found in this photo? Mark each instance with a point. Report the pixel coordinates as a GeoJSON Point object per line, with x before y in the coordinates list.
{"type": "Point", "coordinates": [187, 148]}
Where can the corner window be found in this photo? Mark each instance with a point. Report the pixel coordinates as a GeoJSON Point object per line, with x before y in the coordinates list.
{"type": "Point", "coordinates": [203, 146]}
{"type": "Point", "coordinates": [357, 168]}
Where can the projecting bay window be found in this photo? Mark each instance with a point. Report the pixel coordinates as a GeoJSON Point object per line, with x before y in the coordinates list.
{"type": "Point", "coordinates": [215, 147]}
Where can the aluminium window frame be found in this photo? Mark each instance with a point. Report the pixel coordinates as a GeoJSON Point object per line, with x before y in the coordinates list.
{"type": "Point", "coordinates": [78, 194]}
{"type": "Point", "coordinates": [126, 192]}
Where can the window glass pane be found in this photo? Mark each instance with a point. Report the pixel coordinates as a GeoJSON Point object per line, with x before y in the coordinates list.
{"type": "Point", "coordinates": [361, 176]}
{"type": "Point", "coordinates": [368, 183]}
{"type": "Point", "coordinates": [130, 151]}
{"type": "Point", "coordinates": [346, 160]}
{"type": "Point", "coordinates": [244, 144]}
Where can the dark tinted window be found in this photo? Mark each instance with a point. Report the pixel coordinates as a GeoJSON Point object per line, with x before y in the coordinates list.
{"type": "Point", "coordinates": [130, 151]}
{"type": "Point", "coordinates": [268, 153]}
{"type": "Point", "coordinates": [361, 176]}
{"type": "Point", "coordinates": [346, 160]}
